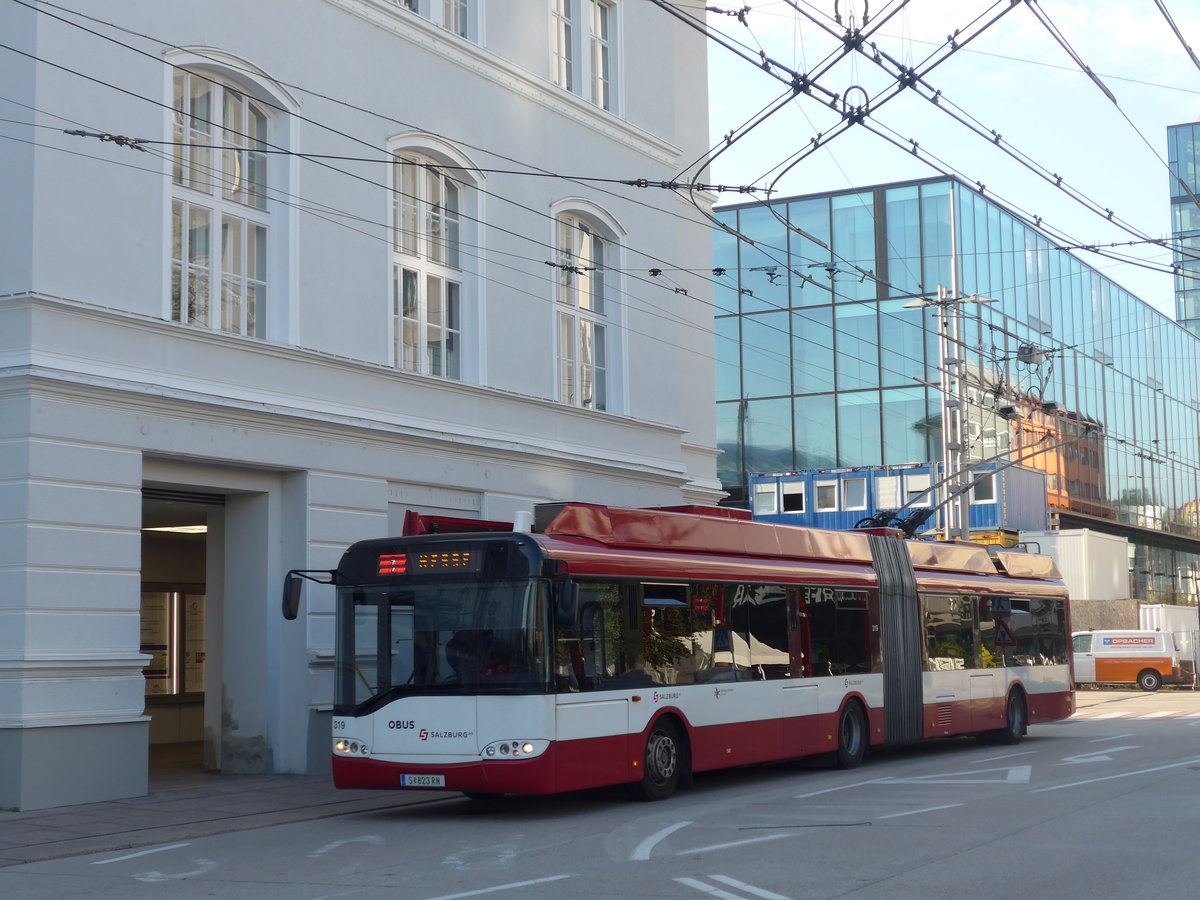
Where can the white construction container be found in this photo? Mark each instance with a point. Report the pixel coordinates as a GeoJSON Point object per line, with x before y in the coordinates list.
{"type": "Point", "coordinates": [1095, 567]}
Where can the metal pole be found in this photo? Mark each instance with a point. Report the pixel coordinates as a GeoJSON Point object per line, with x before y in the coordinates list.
{"type": "Point", "coordinates": [956, 517]}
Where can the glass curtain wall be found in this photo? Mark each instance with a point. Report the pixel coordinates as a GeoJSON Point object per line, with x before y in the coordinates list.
{"type": "Point", "coordinates": [1183, 157]}
{"type": "Point", "coordinates": [821, 363]}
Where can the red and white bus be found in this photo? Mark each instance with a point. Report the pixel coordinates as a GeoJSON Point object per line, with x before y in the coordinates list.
{"type": "Point", "coordinates": [611, 646]}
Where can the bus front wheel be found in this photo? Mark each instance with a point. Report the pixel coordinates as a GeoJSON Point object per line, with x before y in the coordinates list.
{"type": "Point", "coordinates": [662, 763]}
{"type": "Point", "coordinates": [1149, 680]}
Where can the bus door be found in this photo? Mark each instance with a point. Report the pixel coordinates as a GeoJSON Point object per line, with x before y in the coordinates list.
{"type": "Point", "coordinates": [592, 723]}
{"type": "Point", "coordinates": [801, 691]}
{"type": "Point", "coordinates": [760, 648]}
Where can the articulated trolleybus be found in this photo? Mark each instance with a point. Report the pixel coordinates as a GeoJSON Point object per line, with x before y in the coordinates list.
{"type": "Point", "coordinates": [640, 646]}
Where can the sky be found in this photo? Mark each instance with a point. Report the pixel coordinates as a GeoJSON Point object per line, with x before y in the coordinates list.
{"type": "Point", "coordinates": [1015, 78]}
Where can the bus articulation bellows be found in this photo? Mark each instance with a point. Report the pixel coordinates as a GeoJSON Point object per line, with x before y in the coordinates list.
{"type": "Point", "coordinates": [640, 646]}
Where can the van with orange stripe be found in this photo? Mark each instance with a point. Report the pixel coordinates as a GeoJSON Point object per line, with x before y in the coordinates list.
{"type": "Point", "coordinates": [1145, 658]}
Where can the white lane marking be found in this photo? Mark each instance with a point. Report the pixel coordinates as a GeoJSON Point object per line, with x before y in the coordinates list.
{"type": "Point", "coordinates": [757, 840]}
{"type": "Point", "coordinates": [1095, 755]}
{"type": "Point", "coordinates": [1115, 737]}
{"type": "Point", "coordinates": [1116, 715]}
{"type": "Point", "coordinates": [1008, 756]}
{"type": "Point", "coordinates": [501, 887]}
{"type": "Point", "coordinates": [844, 787]}
{"type": "Point", "coordinates": [642, 850]}
{"type": "Point", "coordinates": [372, 839]}
{"type": "Point", "coordinates": [105, 862]}
{"type": "Point", "coordinates": [708, 889]}
{"type": "Point", "coordinates": [1161, 715]}
{"type": "Point", "coordinates": [1013, 775]}
{"type": "Point", "coordinates": [1059, 787]}
{"type": "Point", "coordinates": [915, 812]}
{"type": "Point", "coordinates": [748, 888]}
{"type": "Point", "coordinates": [203, 866]}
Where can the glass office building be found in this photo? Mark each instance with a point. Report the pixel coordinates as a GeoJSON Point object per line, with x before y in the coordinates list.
{"type": "Point", "coordinates": [824, 360]}
{"type": "Point", "coordinates": [1183, 152]}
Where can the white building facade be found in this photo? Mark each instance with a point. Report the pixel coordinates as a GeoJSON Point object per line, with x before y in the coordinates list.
{"type": "Point", "coordinates": [313, 295]}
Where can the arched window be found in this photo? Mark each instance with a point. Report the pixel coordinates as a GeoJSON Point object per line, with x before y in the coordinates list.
{"type": "Point", "coordinates": [427, 274]}
{"type": "Point", "coordinates": [583, 308]}
{"type": "Point", "coordinates": [220, 219]}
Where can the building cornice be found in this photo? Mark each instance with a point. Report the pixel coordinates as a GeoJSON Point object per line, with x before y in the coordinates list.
{"type": "Point", "coordinates": [477, 60]}
{"type": "Point", "coordinates": [118, 383]}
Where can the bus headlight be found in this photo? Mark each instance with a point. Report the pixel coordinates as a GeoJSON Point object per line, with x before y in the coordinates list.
{"type": "Point", "coordinates": [350, 747]}
{"type": "Point", "coordinates": [514, 749]}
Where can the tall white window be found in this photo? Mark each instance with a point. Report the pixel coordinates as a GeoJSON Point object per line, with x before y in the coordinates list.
{"type": "Point", "coordinates": [219, 218]}
{"type": "Point", "coordinates": [562, 43]}
{"type": "Point", "coordinates": [601, 53]}
{"type": "Point", "coordinates": [583, 48]}
{"type": "Point", "coordinates": [427, 268]}
{"type": "Point", "coordinates": [582, 313]}
{"type": "Point", "coordinates": [453, 15]}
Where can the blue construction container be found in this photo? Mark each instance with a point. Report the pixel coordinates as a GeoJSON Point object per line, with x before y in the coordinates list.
{"type": "Point", "coordinates": [1012, 499]}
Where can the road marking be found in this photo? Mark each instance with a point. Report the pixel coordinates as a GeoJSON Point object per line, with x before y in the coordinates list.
{"type": "Point", "coordinates": [708, 889]}
{"type": "Point", "coordinates": [1095, 755]}
{"type": "Point", "coordinates": [844, 787]}
{"type": "Point", "coordinates": [1013, 775]}
{"type": "Point", "coordinates": [1059, 787]}
{"type": "Point", "coordinates": [642, 850]}
{"type": "Point", "coordinates": [757, 840]}
{"type": "Point", "coordinates": [1008, 756]}
{"type": "Point", "coordinates": [372, 839]}
{"type": "Point", "coordinates": [1115, 737]}
{"type": "Point", "coordinates": [732, 882]}
{"type": "Point", "coordinates": [915, 812]}
{"type": "Point", "coordinates": [1160, 715]}
{"type": "Point", "coordinates": [105, 862]}
{"type": "Point", "coordinates": [203, 866]}
{"type": "Point", "coordinates": [501, 887]}
{"type": "Point", "coordinates": [748, 888]}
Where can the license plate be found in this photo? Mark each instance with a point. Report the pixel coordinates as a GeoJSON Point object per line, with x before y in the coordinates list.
{"type": "Point", "coordinates": [422, 781]}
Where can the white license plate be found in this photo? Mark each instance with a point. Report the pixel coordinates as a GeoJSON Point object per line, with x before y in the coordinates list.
{"type": "Point", "coordinates": [422, 781]}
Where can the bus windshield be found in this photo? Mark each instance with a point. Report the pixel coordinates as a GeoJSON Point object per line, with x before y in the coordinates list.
{"type": "Point", "coordinates": [439, 638]}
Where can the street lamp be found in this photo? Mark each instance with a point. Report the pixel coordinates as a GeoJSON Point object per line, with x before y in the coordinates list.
{"type": "Point", "coordinates": [953, 388]}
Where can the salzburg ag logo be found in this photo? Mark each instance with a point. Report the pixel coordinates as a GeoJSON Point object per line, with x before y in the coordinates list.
{"type": "Point", "coordinates": [424, 734]}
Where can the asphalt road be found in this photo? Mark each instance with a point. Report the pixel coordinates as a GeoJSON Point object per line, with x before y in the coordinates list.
{"type": "Point", "coordinates": [1105, 805]}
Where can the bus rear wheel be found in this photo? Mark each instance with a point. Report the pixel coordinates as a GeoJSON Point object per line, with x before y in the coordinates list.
{"type": "Point", "coordinates": [1016, 720]}
{"type": "Point", "coordinates": [1149, 680]}
{"type": "Point", "coordinates": [851, 737]}
{"type": "Point", "coordinates": [661, 767]}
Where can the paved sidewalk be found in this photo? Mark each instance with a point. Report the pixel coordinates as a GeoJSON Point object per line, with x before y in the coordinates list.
{"type": "Point", "coordinates": [186, 805]}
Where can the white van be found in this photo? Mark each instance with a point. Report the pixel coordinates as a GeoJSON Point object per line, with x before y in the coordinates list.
{"type": "Point", "coordinates": [1145, 658]}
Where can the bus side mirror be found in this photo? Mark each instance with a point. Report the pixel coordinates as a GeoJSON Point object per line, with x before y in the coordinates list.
{"type": "Point", "coordinates": [293, 585]}
{"type": "Point", "coordinates": [566, 604]}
